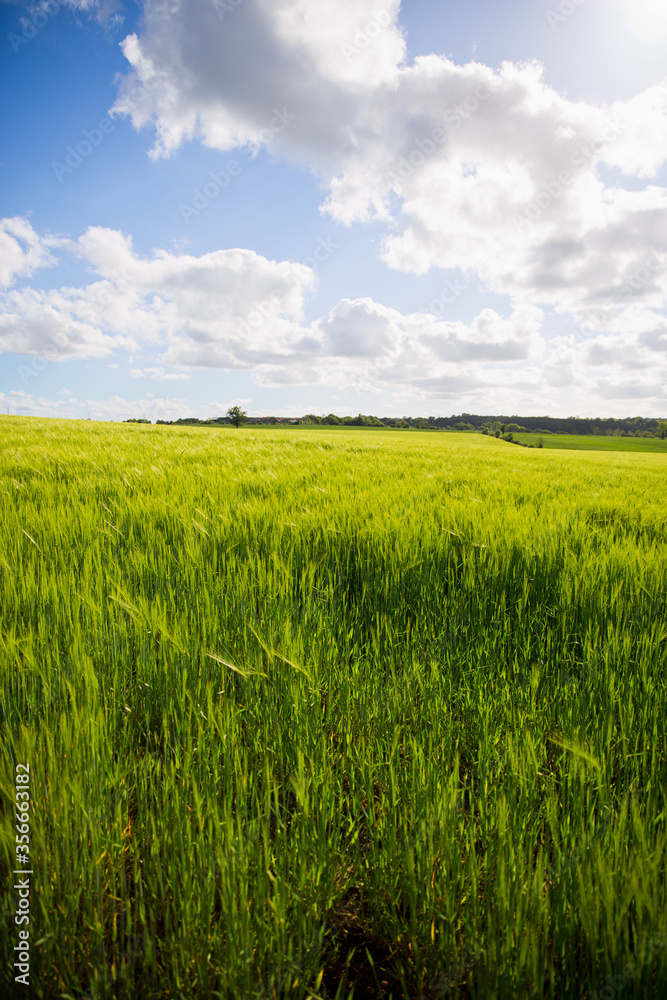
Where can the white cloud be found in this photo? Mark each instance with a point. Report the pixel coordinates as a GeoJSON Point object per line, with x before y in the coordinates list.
{"type": "Point", "coordinates": [55, 324]}
{"type": "Point", "coordinates": [225, 308]}
{"type": "Point", "coordinates": [158, 374]}
{"type": "Point", "coordinates": [218, 76]}
{"type": "Point", "coordinates": [477, 169]}
{"type": "Point", "coordinates": [22, 251]}
{"type": "Point", "coordinates": [236, 310]}
{"type": "Point", "coordinates": [107, 12]}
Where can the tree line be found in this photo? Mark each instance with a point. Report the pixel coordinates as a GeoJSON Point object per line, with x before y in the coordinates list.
{"type": "Point", "coordinates": [472, 422]}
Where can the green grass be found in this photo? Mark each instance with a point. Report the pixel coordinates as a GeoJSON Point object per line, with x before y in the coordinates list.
{"type": "Point", "coordinates": [595, 442]}
{"type": "Point", "coordinates": [331, 715]}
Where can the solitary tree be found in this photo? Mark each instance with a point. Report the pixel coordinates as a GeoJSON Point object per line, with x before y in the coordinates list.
{"type": "Point", "coordinates": [237, 415]}
{"type": "Point", "coordinates": [662, 429]}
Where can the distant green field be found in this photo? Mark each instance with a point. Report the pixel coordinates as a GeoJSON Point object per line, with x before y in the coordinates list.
{"type": "Point", "coordinates": [331, 715]}
{"type": "Point", "coordinates": [594, 442]}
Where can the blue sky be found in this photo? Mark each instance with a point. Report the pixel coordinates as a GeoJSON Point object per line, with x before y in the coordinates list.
{"type": "Point", "coordinates": [333, 205]}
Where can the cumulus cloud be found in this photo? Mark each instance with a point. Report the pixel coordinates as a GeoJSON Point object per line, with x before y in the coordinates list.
{"type": "Point", "coordinates": [55, 323]}
{"type": "Point", "coordinates": [22, 250]}
{"type": "Point", "coordinates": [217, 72]}
{"type": "Point", "coordinates": [491, 171]}
{"type": "Point", "coordinates": [236, 310]}
{"type": "Point", "coordinates": [223, 308]}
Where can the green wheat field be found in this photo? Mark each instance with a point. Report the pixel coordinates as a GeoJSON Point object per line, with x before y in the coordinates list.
{"type": "Point", "coordinates": [333, 714]}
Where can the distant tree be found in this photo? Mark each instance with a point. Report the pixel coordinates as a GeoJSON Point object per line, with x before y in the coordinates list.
{"type": "Point", "coordinates": [662, 429]}
{"type": "Point", "coordinates": [331, 419]}
{"type": "Point", "coordinates": [311, 418]}
{"type": "Point", "coordinates": [237, 415]}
